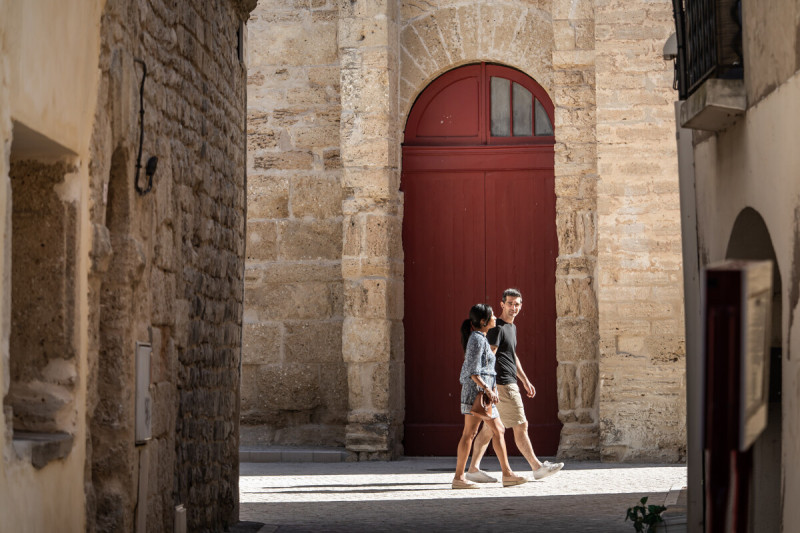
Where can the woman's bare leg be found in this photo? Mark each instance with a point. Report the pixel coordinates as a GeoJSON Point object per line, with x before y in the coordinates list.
{"type": "Point", "coordinates": [499, 445]}
{"type": "Point", "coordinates": [470, 430]}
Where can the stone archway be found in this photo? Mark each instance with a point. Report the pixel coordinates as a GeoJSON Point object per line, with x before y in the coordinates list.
{"type": "Point", "coordinates": [434, 41]}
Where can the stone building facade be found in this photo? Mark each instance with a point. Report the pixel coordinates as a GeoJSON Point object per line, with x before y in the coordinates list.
{"type": "Point", "coordinates": [330, 85]}
{"type": "Point", "coordinates": [95, 272]}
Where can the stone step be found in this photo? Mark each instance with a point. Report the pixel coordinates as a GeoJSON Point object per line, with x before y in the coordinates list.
{"type": "Point", "coordinates": [291, 454]}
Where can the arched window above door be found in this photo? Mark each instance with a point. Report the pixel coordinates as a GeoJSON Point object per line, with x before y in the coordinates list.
{"type": "Point", "coordinates": [481, 104]}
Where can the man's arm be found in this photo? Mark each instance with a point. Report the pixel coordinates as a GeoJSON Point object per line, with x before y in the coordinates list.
{"type": "Point", "coordinates": [529, 388]}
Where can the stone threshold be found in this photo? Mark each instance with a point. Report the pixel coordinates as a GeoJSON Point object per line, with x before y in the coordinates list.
{"type": "Point", "coordinates": [292, 454]}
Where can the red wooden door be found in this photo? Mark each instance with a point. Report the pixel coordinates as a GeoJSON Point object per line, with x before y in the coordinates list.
{"type": "Point", "coordinates": [479, 218]}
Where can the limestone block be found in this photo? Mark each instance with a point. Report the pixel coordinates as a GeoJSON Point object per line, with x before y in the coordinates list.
{"type": "Point", "coordinates": [333, 392]}
{"type": "Point", "coordinates": [575, 298]}
{"type": "Point", "coordinates": [373, 298]}
{"type": "Point", "coordinates": [588, 375]}
{"type": "Point", "coordinates": [363, 32]}
{"type": "Point", "coordinates": [447, 22]}
{"type": "Point", "coordinates": [283, 272]}
{"type": "Point", "coordinates": [576, 339]}
{"type": "Point", "coordinates": [380, 380]}
{"type": "Point", "coordinates": [573, 59]}
{"type": "Point", "coordinates": [303, 97]}
{"type": "Point", "coordinates": [262, 241]}
{"type": "Point", "coordinates": [324, 76]}
{"type": "Point", "coordinates": [297, 160]}
{"type": "Point", "coordinates": [273, 391]}
{"type": "Point", "coordinates": [316, 239]}
{"type": "Point", "coordinates": [366, 340]}
{"type": "Point", "coordinates": [294, 44]}
{"type": "Point", "coordinates": [509, 26]}
{"type": "Point", "coordinates": [267, 196]}
{"type": "Point", "coordinates": [372, 152]}
{"type": "Point", "coordinates": [370, 9]}
{"type": "Point", "coordinates": [574, 266]}
{"type": "Point", "coordinates": [316, 197]}
{"type": "Point", "coordinates": [353, 237]}
{"type": "Point", "coordinates": [383, 267]}
{"type": "Point", "coordinates": [470, 28]}
{"type": "Point", "coordinates": [573, 9]}
{"type": "Point", "coordinates": [428, 31]}
{"type": "Point", "coordinates": [261, 344]}
{"type": "Point", "coordinates": [413, 44]}
{"type": "Point", "coordinates": [163, 287]}
{"type": "Point", "coordinates": [300, 300]}
{"type": "Point", "coordinates": [564, 34]}
{"type": "Point", "coordinates": [372, 182]}
{"type": "Point", "coordinates": [311, 137]}
{"type": "Point", "coordinates": [164, 400]}
{"type": "Point", "coordinates": [665, 349]}
{"type": "Point", "coordinates": [383, 236]}
{"type": "Point", "coordinates": [313, 342]}
{"type": "Point", "coordinates": [567, 387]}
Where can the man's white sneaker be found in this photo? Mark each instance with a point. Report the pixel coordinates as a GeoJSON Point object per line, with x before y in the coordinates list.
{"type": "Point", "coordinates": [547, 469]}
{"type": "Point", "coordinates": [480, 477]}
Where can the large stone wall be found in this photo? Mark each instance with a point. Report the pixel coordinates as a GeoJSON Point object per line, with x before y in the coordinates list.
{"type": "Point", "coordinates": [642, 349]}
{"type": "Point", "coordinates": [294, 378]}
{"type": "Point", "coordinates": [167, 266]}
{"type": "Point", "coordinates": [387, 54]}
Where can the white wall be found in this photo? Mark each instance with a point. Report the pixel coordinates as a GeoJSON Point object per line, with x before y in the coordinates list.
{"type": "Point", "coordinates": [756, 163]}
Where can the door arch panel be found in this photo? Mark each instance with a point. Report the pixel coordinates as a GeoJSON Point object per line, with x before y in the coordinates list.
{"type": "Point", "coordinates": [479, 217]}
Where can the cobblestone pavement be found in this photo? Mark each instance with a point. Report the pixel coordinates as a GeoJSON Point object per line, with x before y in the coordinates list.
{"type": "Point", "coordinates": [414, 494]}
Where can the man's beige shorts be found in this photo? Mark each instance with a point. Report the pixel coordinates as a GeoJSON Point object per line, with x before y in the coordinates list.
{"type": "Point", "coordinates": [510, 408]}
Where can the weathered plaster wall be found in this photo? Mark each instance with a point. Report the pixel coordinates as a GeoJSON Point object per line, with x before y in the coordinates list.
{"type": "Point", "coordinates": [40, 89]}
{"type": "Point", "coordinates": [640, 297]}
{"type": "Point", "coordinates": [754, 164]}
{"type": "Point", "coordinates": [772, 53]}
{"type": "Point", "coordinates": [294, 378]}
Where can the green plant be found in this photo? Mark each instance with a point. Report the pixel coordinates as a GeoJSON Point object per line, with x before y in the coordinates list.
{"type": "Point", "coordinates": [645, 517]}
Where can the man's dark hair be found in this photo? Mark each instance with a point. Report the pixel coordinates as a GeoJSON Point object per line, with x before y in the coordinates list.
{"type": "Point", "coordinates": [514, 293]}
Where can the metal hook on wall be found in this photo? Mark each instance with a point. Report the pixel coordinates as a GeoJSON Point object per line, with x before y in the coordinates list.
{"type": "Point", "coordinates": [150, 168]}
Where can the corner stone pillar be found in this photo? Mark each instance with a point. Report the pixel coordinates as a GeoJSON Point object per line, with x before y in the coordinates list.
{"type": "Point", "coordinates": [372, 267]}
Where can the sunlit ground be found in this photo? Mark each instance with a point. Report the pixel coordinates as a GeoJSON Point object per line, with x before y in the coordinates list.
{"type": "Point", "coordinates": [414, 494]}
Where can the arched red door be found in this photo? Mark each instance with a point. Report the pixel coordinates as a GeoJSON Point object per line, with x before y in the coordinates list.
{"type": "Point", "coordinates": [479, 217]}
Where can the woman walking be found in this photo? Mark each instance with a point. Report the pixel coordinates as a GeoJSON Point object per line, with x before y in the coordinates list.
{"type": "Point", "coordinates": [477, 374]}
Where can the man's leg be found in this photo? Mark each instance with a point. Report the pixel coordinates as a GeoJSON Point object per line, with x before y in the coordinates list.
{"type": "Point", "coordinates": [523, 442]}
{"type": "Point", "coordinates": [479, 447]}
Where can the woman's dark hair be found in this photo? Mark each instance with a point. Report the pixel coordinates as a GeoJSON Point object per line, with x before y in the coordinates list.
{"type": "Point", "coordinates": [479, 314]}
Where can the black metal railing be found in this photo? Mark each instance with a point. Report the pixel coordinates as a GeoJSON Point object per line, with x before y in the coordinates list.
{"type": "Point", "coordinates": [709, 36]}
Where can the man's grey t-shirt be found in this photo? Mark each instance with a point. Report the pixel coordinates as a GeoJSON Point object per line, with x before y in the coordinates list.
{"type": "Point", "coordinates": [504, 336]}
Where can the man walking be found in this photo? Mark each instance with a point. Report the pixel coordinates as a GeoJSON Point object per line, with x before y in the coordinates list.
{"type": "Point", "coordinates": [503, 340]}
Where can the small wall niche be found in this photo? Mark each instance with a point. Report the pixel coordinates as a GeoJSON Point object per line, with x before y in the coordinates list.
{"type": "Point", "coordinates": [42, 355]}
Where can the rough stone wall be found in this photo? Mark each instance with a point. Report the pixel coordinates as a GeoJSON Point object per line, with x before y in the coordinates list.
{"type": "Point", "coordinates": [642, 368]}
{"type": "Point", "coordinates": [294, 379]}
{"type": "Point", "coordinates": [372, 338]}
{"type": "Point", "coordinates": [42, 344]}
{"type": "Point", "coordinates": [167, 267]}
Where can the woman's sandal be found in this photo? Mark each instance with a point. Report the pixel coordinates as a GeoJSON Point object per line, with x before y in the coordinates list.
{"type": "Point", "coordinates": [510, 481]}
{"type": "Point", "coordinates": [460, 484]}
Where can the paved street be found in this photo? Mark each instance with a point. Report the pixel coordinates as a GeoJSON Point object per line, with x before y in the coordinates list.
{"type": "Point", "coordinates": [414, 494]}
